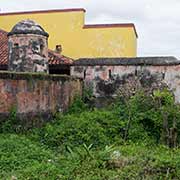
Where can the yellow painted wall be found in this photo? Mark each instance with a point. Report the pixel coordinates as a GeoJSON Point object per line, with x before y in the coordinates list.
{"type": "Point", "coordinates": [110, 42]}
{"type": "Point", "coordinates": [66, 28]}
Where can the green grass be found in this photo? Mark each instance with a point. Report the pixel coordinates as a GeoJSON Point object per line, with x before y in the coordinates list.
{"type": "Point", "coordinates": [90, 144]}
{"type": "Point", "coordinates": [23, 158]}
{"type": "Point", "coordinates": [26, 159]}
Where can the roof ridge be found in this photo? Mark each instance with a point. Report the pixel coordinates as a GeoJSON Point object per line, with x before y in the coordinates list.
{"type": "Point", "coordinates": [43, 11]}
{"type": "Point", "coordinates": [112, 25]}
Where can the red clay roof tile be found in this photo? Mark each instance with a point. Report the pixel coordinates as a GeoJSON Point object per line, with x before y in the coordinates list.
{"type": "Point", "coordinates": [3, 47]}
{"type": "Point", "coordinates": [57, 59]}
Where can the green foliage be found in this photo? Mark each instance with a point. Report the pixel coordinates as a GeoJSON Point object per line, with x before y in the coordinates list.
{"type": "Point", "coordinates": [25, 159]}
{"type": "Point", "coordinates": [87, 96]}
{"type": "Point", "coordinates": [11, 124]}
{"type": "Point", "coordinates": [78, 106]}
{"type": "Point", "coordinates": [82, 103]}
{"type": "Point", "coordinates": [164, 97]}
{"type": "Point", "coordinates": [146, 115]}
{"type": "Point", "coordinates": [83, 143]}
{"type": "Point", "coordinates": [98, 127]}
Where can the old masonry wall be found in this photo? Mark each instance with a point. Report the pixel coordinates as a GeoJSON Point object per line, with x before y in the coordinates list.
{"type": "Point", "coordinates": [35, 95]}
{"type": "Point", "coordinates": [107, 77]}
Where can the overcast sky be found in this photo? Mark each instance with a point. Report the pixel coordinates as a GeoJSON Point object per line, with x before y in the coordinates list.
{"type": "Point", "coordinates": [157, 21]}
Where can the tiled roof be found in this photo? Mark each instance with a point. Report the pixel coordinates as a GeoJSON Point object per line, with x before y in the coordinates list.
{"type": "Point", "coordinates": [3, 47]}
{"type": "Point", "coordinates": [57, 59]}
{"type": "Point", "coordinates": [54, 58]}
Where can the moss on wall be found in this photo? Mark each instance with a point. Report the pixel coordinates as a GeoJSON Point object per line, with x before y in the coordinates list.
{"type": "Point", "coordinates": [37, 76]}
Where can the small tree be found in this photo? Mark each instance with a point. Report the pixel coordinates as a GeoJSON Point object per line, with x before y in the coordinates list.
{"type": "Point", "coordinates": [164, 100]}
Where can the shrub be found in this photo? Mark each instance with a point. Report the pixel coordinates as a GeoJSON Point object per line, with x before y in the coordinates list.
{"type": "Point", "coordinates": [155, 116]}
{"type": "Point", "coordinates": [98, 127]}
{"type": "Point", "coordinates": [84, 144]}
{"type": "Point", "coordinates": [77, 106]}
{"type": "Point", "coordinates": [12, 123]}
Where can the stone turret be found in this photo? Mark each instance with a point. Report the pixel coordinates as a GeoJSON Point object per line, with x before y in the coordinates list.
{"type": "Point", "coordinates": [28, 48]}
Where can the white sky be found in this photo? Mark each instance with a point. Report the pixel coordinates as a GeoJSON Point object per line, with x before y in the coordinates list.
{"type": "Point", "coordinates": [157, 21]}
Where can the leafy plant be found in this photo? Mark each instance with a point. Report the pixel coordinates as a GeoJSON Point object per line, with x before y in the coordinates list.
{"type": "Point", "coordinates": [12, 123]}
{"type": "Point", "coordinates": [90, 144]}
{"type": "Point", "coordinates": [154, 116]}
{"type": "Point", "coordinates": [98, 127]}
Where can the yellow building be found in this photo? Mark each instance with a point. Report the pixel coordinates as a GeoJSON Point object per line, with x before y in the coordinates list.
{"type": "Point", "coordinates": [67, 27]}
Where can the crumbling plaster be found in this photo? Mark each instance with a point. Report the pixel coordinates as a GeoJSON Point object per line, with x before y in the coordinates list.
{"type": "Point", "coordinates": [36, 94]}
{"type": "Point", "coordinates": [106, 76]}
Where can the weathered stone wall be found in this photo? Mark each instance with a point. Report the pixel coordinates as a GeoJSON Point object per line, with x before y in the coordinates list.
{"type": "Point", "coordinates": [108, 77]}
{"type": "Point", "coordinates": [28, 53]}
{"type": "Point", "coordinates": [35, 94]}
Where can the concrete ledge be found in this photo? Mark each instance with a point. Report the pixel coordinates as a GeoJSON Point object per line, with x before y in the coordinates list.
{"type": "Point", "coordinates": [139, 61]}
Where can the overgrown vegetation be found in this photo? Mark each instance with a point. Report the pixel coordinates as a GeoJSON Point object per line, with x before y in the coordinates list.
{"type": "Point", "coordinates": [135, 138]}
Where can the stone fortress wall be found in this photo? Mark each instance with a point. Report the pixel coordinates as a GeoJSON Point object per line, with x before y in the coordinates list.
{"type": "Point", "coordinates": [36, 96]}
{"type": "Point", "coordinates": [109, 76]}
{"type": "Point", "coordinates": [28, 48]}
{"type": "Point", "coordinates": [27, 86]}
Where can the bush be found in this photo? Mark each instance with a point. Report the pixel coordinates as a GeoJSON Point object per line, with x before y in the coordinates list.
{"type": "Point", "coordinates": [98, 127]}
{"type": "Point", "coordinates": [88, 143]}
{"type": "Point", "coordinates": [138, 119]}
{"type": "Point", "coordinates": [156, 116]}
{"type": "Point", "coordinates": [11, 124]}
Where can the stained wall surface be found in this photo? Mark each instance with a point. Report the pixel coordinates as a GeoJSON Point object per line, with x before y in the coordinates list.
{"type": "Point", "coordinates": [67, 27]}
{"type": "Point", "coordinates": [37, 94]}
{"type": "Point", "coordinates": [108, 77]}
{"type": "Point", "coordinates": [28, 53]}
